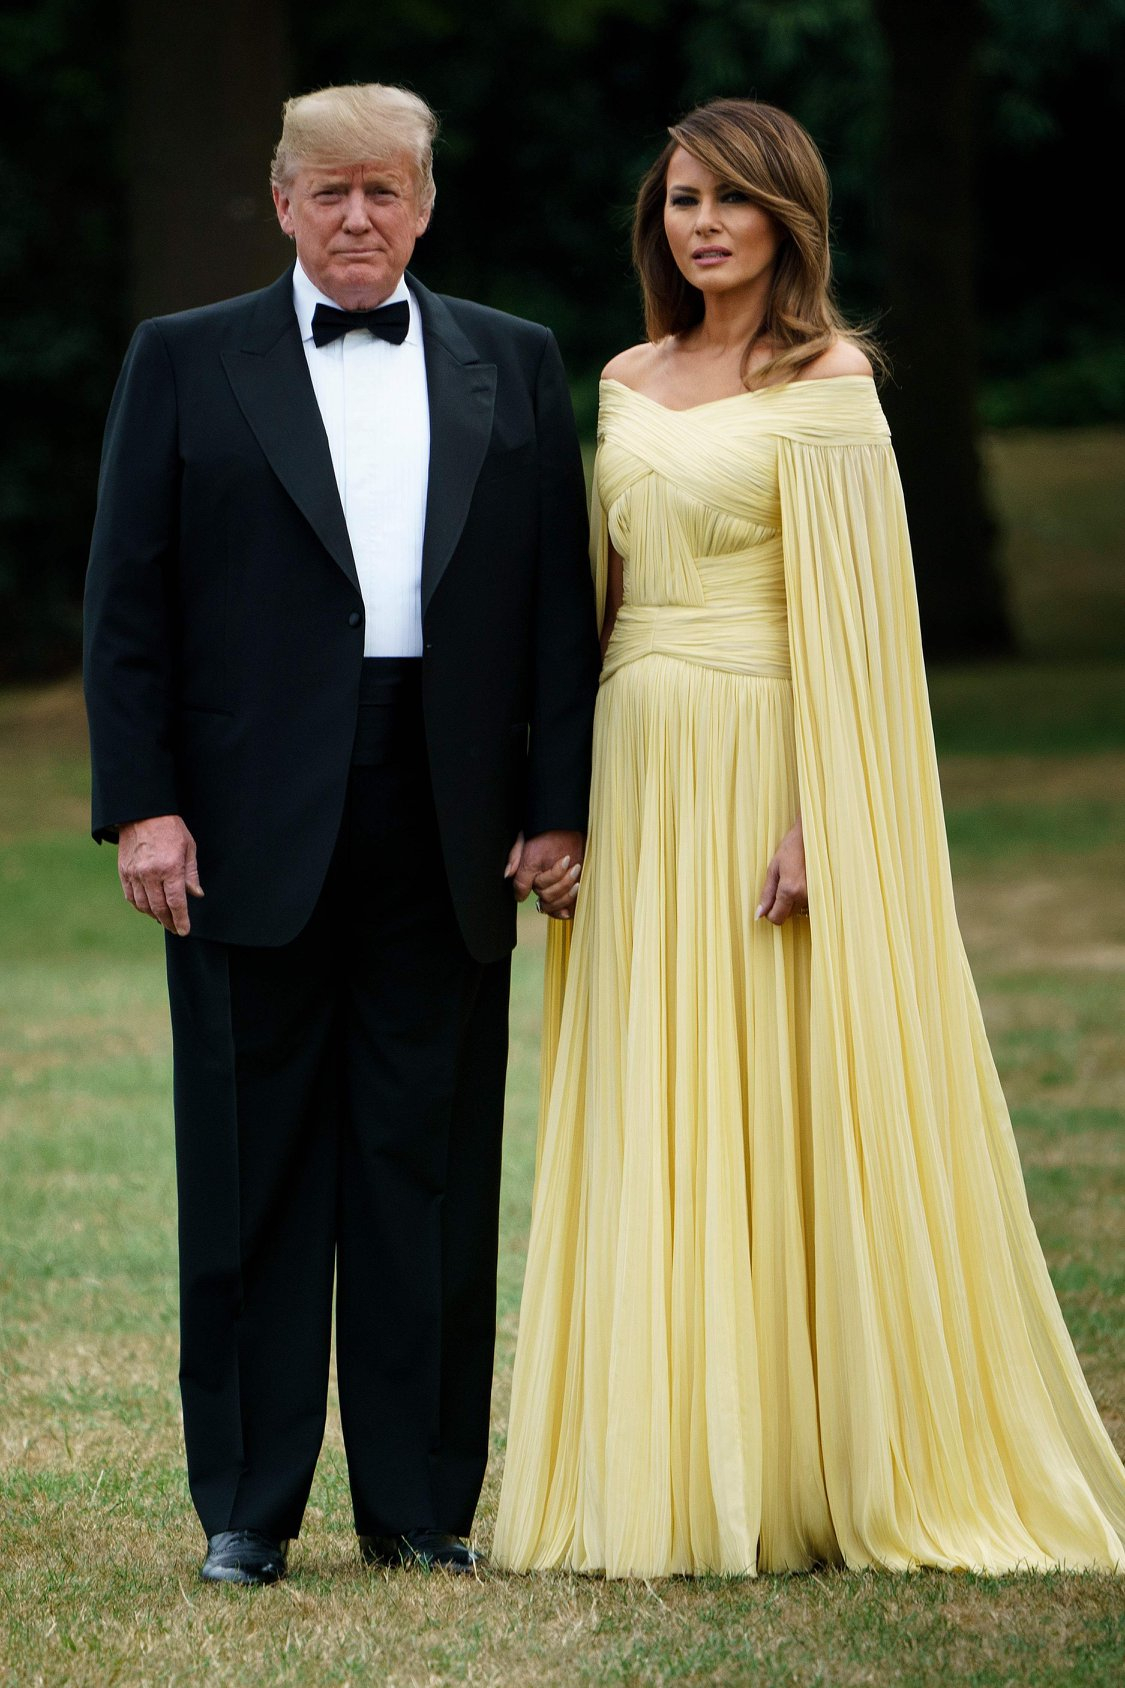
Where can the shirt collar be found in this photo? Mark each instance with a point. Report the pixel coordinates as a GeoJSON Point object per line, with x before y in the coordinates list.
{"type": "Point", "coordinates": [306, 297]}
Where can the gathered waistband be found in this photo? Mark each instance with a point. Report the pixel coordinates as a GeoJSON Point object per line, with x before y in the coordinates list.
{"type": "Point", "coordinates": [736, 640]}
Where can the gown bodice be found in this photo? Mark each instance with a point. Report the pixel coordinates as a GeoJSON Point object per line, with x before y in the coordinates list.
{"type": "Point", "coordinates": [693, 505]}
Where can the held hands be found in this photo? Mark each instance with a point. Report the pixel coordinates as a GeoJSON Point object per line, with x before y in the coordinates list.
{"type": "Point", "coordinates": [550, 865]}
{"type": "Point", "coordinates": [157, 869]}
{"type": "Point", "coordinates": [785, 891]}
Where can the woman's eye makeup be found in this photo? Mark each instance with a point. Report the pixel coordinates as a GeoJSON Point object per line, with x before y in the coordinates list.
{"type": "Point", "coordinates": [729, 196]}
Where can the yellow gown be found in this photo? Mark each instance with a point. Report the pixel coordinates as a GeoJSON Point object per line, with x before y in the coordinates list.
{"type": "Point", "coordinates": [784, 1300]}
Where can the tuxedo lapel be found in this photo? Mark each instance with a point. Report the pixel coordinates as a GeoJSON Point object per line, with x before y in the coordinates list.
{"type": "Point", "coordinates": [271, 382]}
{"type": "Point", "coordinates": [462, 396]}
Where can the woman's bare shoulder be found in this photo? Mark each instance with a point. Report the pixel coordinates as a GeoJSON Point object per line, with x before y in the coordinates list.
{"type": "Point", "coordinates": [843, 357]}
{"type": "Point", "coordinates": [631, 366]}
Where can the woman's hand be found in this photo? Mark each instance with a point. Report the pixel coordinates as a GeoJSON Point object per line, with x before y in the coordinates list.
{"type": "Point", "coordinates": [785, 891]}
{"type": "Point", "coordinates": [556, 890]}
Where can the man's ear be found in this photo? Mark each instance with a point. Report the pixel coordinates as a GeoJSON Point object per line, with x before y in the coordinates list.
{"type": "Point", "coordinates": [283, 207]}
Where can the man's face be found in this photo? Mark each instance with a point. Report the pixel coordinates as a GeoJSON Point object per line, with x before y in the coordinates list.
{"type": "Point", "coordinates": [354, 227]}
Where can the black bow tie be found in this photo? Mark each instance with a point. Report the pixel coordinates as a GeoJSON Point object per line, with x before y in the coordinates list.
{"type": "Point", "coordinates": [387, 322]}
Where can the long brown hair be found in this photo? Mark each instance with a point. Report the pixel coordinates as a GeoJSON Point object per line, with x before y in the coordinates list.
{"type": "Point", "coordinates": [775, 162]}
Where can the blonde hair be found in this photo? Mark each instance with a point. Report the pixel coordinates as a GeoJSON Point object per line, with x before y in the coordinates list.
{"type": "Point", "coordinates": [775, 162]}
{"type": "Point", "coordinates": [355, 123]}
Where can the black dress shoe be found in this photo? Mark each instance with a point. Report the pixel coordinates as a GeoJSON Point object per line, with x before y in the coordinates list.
{"type": "Point", "coordinates": [421, 1547]}
{"type": "Point", "coordinates": [244, 1556]}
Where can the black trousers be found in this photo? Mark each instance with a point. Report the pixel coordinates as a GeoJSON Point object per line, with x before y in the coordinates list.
{"type": "Point", "coordinates": [339, 1104]}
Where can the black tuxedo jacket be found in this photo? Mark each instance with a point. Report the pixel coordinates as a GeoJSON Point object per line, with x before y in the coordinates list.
{"type": "Point", "coordinates": [224, 620]}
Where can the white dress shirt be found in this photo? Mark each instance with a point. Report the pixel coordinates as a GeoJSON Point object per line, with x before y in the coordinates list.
{"type": "Point", "coordinates": [374, 401]}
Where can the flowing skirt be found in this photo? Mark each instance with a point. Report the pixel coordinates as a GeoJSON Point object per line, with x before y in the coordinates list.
{"type": "Point", "coordinates": [666, 1416]}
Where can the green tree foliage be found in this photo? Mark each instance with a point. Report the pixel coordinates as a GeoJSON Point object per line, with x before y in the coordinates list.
{"type": "Point", "coordinates": [62, 250]}
{"type": "Point", "coordinates": [1052, 112]}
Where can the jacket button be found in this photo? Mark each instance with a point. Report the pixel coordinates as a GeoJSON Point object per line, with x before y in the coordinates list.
{"type": "Point", "coordinates": [354, 619]}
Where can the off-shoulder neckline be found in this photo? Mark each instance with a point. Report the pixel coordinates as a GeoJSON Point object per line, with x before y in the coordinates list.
{"type": "Point", "coordinates": [732, 398]}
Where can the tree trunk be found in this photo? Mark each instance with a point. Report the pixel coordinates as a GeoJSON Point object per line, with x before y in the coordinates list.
{"type": "Point", "coordinates": [206, 84]}
{"type": "Point", "coordinates": [928, 209]}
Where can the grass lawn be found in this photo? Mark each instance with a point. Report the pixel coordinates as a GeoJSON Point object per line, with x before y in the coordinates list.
{"type": "Point", "coordinates": [98, 1544]}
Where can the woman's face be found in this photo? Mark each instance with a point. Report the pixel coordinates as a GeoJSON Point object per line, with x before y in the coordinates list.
{"type": "Point", "coordinates": [720, 239]}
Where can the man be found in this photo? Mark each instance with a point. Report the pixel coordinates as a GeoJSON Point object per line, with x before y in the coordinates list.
{"type": "Point", "coordinates": [340, 652]}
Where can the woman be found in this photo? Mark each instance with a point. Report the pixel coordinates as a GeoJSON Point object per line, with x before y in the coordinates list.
{"type": "Point", "coordinates": [784, 1301]}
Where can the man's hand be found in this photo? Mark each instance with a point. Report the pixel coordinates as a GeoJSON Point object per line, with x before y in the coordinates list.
{"type": "Point", "coordinates": [550, 865]}
{"type": "Point", "coordinates": [785, 891]}
{"type": "Point", "coordinates": [157, 868]}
